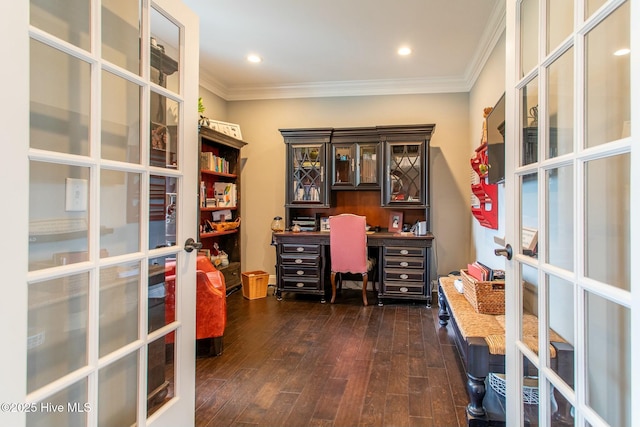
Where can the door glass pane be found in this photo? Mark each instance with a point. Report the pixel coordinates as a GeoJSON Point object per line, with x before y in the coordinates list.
{"type": "Point", "coordinates": [57, 328]}
{"type": "Point", "coordinates": [59, 102]}
{"type": "Point", "coordinates": [343, 162]}
{"type": "Point", "coordinates": [607, 220]}
{"type": "Point", "coordinates": [560, 410]}
{"type": "Point", "coordinates": [307, 173]}
{"type": "Point", "coordinates": [161, 372]}
{"type": "Point", "coordinates": [405, 172]}
{"type": "Point", "coordinates": [162, 292]}
{"type": "Point", "coordinates": [58, 214]}
{"type": "Point", "coordinates": [592, 5]}
{"type": "Point", "coordinates": [121, 33]}
{"type": "Point", "coordinates": [529, 214]}
{"type": "Point", "coordinates": [162, 211]}
{"type": "Point", "coordinates": [120, 231]}
{"type": "Point", "coordinates": [119, 306]}
{"type": "Point", "coordinates": [118, 392]}
{"type": "Point", "coordinates": [561, 324]}
{"type": "Point", "coordinates": [368, 164]}
{"type": "Point", "coordinates": [530, 392]}
{"type": "Point", "coordinates": [120, 119]}
{"type": "Point", "coordinates": [528, 35]}
{"type": "Point", "coordinates": [529, 103]}
{"type": "Point", "coordinates": [559, 22]}
{"type": "Point", "coordinates": [607, 85]}
{"type": "Point", "coordinates": [164, 132]}
{"type": "Point", "coordinates": [74, 401]}
{"type": "Point", "coordinates": [165, 51]}
{"type": "Point", "coordinates": [560, 106]}
{"type": "Point", "coordinates": [530, 306]}
{"type": "Point", "coordinates": [560, 217]}
{"type": "Point", "coordinates": [608, 334]}
{"type": "Point", "coordinates": [68, 20]}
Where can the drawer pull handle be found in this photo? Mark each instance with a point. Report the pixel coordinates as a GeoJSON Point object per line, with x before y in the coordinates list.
{"type": "Point", "coordinates": [404, 290]}
{"type": "Point", "coordinates": [300, 249]}
{"type": "Point", "coordinates": [404, 264]}
{"type": "Point", "coordinates": [298, 261]}
{"type": "Point", "coordinates": [300, 272]}
{"type": "Point", "coordinates": [404, 276]}
{"type": "Point", "coordinates": [300, 285]}
{"type": "Point", "coordinates": [404, 252]}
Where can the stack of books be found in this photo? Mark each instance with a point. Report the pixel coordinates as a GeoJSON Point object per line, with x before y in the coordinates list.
{"type": "Point", "coordinates": [480, 271]}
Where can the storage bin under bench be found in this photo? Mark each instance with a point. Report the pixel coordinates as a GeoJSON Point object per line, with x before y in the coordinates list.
{"type": "Point", "coordinates": [480, 338]}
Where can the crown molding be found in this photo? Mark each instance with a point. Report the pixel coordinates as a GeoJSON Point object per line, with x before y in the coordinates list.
{"type": "Point", "coordinates": [347, 88]}
{"type": "Point", "coordinates": [495, 29]}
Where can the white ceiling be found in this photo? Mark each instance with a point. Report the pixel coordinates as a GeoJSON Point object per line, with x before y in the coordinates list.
{"type": "Point", "coordinates": [343, 47]}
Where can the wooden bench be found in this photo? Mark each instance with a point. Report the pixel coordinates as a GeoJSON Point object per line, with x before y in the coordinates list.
{"type": "Point", "coordinates": [481, 342]}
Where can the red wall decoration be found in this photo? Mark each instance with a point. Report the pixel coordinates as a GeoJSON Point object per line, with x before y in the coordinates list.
{"type": "Point", "coordinates": [486, 210]}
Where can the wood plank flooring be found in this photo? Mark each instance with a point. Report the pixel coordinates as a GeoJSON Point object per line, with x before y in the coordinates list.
{"type": "Point", "coordinates": [298, 362]}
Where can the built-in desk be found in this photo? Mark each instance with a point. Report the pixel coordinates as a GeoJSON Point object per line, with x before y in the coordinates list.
{"type": "Point", "coordinates": [303, 264]}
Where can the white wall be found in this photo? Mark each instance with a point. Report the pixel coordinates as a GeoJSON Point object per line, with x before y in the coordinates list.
{"type": "Point", "coordinates": [488, 88]}
{"type": "Point", "coordinates": [263, 177]}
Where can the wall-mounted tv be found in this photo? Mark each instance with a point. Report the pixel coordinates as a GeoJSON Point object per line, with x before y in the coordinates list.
{"type": "Point", "coordinates": [495, 142]}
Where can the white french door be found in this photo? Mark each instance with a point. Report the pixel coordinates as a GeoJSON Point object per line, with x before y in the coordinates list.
{"type": "Point", "coordinates": [98, 301]}
{"type": "Point", "coordinates": [572, 95]}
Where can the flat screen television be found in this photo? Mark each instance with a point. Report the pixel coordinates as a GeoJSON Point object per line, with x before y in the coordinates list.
{"type": "Point", "coordinates": [495, 142]}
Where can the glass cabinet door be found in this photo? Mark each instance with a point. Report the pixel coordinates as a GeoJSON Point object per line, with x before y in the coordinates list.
{"type": "Point", "coordinates": [344, 165]}
{"type": "Point", "coordinates": [307, 174]}
{"type": "Point", "coordinates": [404, 182]}
{"type": "Point", "coordinates": [367, 166]}
{"type": "Point", "coordinates": [355, 165]}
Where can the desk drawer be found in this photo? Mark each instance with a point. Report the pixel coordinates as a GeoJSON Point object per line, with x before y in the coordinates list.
{"type": "Point", "coordinates": [300, 283]}
{"type": "Point", "coordinates": [404, 274]}
{"type": "Point", "coordinates": [403, 288]}
{"type": "Point", "coordinates": [300, 248]}
{"type": "Point", "coordinates": [300, 260]}
{"type": "Point", "coordinates": [404, 251]}
{"type": "Point", "coordinates": [403, 262]}
{"type": "Point", "coordinates": [299, 271]}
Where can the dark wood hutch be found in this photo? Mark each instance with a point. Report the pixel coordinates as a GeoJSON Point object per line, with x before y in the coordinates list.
{"type": "Point", "coordinates": [371, 171]}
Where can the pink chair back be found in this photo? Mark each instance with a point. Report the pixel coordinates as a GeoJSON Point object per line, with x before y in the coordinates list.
{"type": "Point", "coordinates": [348, 239]}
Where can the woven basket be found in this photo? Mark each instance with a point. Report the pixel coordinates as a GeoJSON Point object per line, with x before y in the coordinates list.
{"type": "Point", "coordinates": [225, 226]}
{"type": "Point", "coordinates": [484, 297]}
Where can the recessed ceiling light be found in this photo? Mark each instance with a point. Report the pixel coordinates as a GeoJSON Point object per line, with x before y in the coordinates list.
{"type": "Point", "coordinates": [622, 52]}
{"type": "Point", "coordinates": [404, 51]}
{"type": "Point", "coordinates": [254, 58]}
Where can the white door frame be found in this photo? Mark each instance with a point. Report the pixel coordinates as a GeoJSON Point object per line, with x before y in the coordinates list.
{"type": "Point", "coordinates": [14, 29]}
{"type": "Point", "coordinates": [512, 197]}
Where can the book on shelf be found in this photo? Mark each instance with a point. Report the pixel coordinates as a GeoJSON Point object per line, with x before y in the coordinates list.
{"type": "Point", "coordinates": [211, 162]}
{"type": "Point", "coordinates": [226, 194]}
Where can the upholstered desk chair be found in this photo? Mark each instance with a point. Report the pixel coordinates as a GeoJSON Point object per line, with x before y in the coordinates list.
{"type": "Point", "coordinates": [348, 243]}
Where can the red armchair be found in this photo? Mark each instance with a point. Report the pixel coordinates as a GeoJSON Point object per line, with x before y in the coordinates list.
{"type": "Point", "coordinates": [211, 304]}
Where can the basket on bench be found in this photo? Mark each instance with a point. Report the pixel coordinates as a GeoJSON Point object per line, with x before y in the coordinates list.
{"type": "Point", "coordinates": [484, 297]}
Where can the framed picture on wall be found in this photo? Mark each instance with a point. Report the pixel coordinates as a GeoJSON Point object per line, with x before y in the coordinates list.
{"type": "Point", "coordinates": [395, 222]}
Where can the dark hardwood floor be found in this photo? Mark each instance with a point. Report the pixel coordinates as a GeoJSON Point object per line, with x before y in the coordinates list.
{"type": "Point", "coordinates": [298, 362]}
